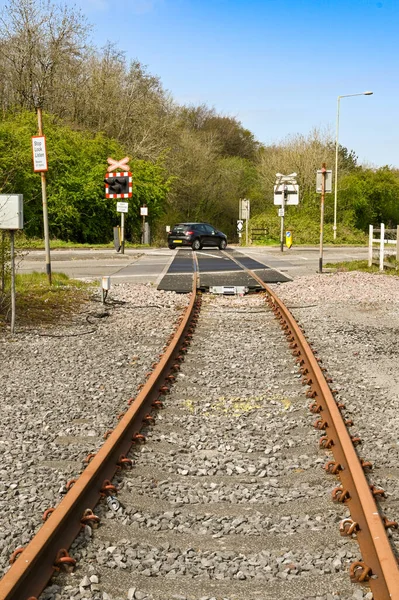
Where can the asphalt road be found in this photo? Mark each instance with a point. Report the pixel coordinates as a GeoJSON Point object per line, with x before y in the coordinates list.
{"type": "Point", "coordinates": [150, 265]}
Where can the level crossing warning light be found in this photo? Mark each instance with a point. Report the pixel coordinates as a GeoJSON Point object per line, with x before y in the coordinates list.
{"type": "Point", "coordinates": [118, 185]}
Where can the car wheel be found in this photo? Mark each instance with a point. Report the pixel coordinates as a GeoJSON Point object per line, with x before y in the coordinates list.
{"type": "Point", "coordinates": [171, 247]}
{"type": "Point", "coordinates": [196, 245]}
{"type": "Point", "coordinates": [222, 244]}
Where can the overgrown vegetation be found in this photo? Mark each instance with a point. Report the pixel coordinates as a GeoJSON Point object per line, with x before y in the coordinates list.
{"type": "Point", "coordinates": [362, 265]}
{"type": "Point", "coordinates": [38, 303]}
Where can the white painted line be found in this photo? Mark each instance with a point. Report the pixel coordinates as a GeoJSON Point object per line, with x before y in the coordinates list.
{"type": "Point", "coordinates": [213, 255]}
{"type": "Point", "coordinates": [164, 270]}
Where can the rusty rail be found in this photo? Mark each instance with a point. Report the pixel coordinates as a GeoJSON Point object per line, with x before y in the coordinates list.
{"type": "Point", "coordinates": [379, 567]}
{"type": "Point", "coordinates": [47, 551]}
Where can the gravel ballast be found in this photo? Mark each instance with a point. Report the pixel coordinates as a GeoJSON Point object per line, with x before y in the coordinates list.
{"type": "Point", "coordinates": [62, 389]}
{"type": "Point", "coordinates": [228, 499]}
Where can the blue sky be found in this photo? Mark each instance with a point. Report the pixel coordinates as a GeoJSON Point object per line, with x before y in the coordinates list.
{"type": "Point", "coordinates": [276, 65]}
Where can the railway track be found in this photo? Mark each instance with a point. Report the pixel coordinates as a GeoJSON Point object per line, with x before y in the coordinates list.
{"type": "Point", "coordinates": [227, 497]}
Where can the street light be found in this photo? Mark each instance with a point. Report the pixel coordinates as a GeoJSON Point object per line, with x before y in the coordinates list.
{"type": "Point", "coordinates": [336, 157]}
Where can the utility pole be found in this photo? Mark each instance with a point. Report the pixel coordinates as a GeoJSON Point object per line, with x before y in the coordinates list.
{"type": "Point", "coordinates": [44, 199]}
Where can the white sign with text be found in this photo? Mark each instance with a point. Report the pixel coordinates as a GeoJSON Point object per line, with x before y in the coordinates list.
{"type": "Point", "coordinates": [39, 153]}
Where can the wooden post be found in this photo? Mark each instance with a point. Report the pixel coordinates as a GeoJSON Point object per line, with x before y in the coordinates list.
{"type": "Point", "coordinates": [44, 202]}
{"type": "Point", "coordinates": [370, 245]}
{"type": "Point", "coordinates": [382, 246]}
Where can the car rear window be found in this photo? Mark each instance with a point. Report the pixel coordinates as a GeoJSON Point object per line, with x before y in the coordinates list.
{"type": "Point", "coordinates": [180, 228]}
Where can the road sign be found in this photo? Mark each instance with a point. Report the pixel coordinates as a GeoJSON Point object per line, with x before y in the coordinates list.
{"type": "Point", "coordinates": [118, 185]}
{"type": "Point", "coordinates": [240, 225]}
{"type": "Point", "coordinates": [39, 153]}
{"type": "Point", "coordinates": [288, 239]}
{"type": "Point", "coordinates": [144, 211]}
{"type": "Point", "coordinates": [114, 165]}
{"type": "Point", "coordinates": [122, 207]}
{"type": "Point", "coordinates": [292, 194]}
{"type": "Point", "coordinates": [244, 209]}
{"type": "Point", "coordinates": [328, 182]}
{"type": "Point", "coordinates": [281, 212]}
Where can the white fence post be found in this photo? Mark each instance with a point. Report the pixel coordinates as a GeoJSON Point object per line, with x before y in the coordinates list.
{"type": "Point", "coordinates": [370, 245]}
{"type": "Point", "coordinates": [382, 246]}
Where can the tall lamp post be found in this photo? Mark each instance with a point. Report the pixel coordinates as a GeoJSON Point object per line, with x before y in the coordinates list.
{"type": "Point", "coordinates": [336, 156]}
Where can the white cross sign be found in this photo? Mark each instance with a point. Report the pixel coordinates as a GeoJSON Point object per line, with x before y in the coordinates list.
{"type": "Point", "coordinates": [118, 164]}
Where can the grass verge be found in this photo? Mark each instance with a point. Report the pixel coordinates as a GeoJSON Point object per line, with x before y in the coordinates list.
{"type": "Point", "coordinates": [362, 265]}
{"type": "Point", "coordinates": [39, 304]}
{"type": "Point", "coordinates": [24, 243]}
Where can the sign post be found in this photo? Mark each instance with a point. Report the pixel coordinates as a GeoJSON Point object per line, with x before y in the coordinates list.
{"type": "Point", "coordinates": [323, 185]}
{"type": "Point", "coordinates": [11, 218]}
{"type": "Point", "coordinates": [122, 207]}
{"type": "Point", "coordinates": [40, 166]}
{"type": "Point", "coordinates": [119, 185]}
{"type": "Point", "coordinates": [285, 192]}
{"type": "Point", "coordinates": [143, 213]}
{"type": "Point", "coordinates": [244, 211]}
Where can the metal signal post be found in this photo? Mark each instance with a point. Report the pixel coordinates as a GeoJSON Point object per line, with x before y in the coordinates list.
{"type": "Point", "coordinates": [40, 166]}
{"type": "Point", "coordinates": [119, 185]}
{"type": "Point", "coordinates": [285, 192]}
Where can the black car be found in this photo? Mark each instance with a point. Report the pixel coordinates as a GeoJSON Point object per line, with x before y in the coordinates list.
{"type": "Point", "coordinates": [196, 235]}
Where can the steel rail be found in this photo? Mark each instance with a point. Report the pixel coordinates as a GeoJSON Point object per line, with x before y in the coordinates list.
{"type": "Point", "coordinates": [379, 567]}
{"type": "Point", "coordinates": [35, 565]}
